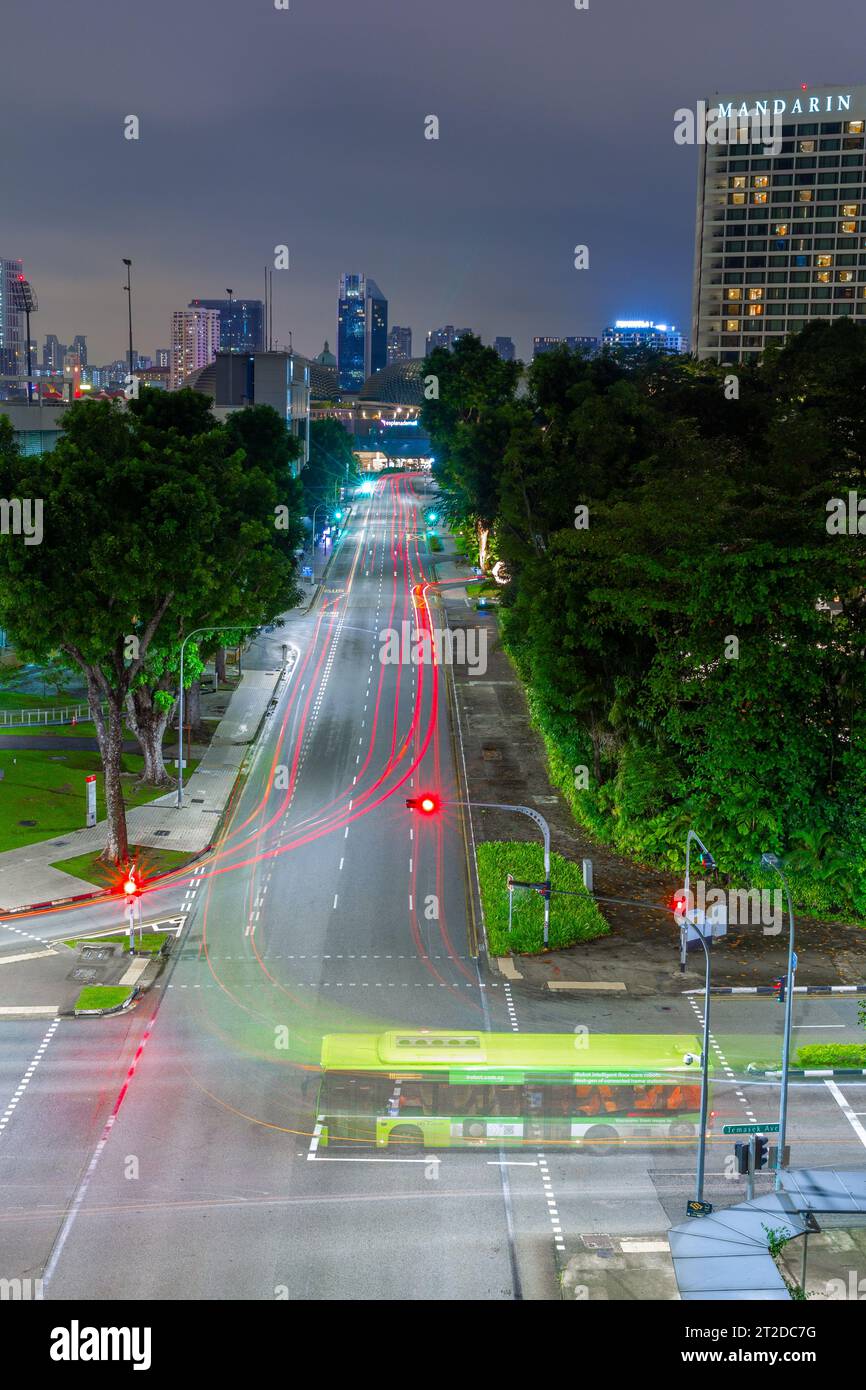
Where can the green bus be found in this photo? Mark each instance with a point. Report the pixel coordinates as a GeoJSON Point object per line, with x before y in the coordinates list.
{"type": "Point", "coordinates": [445, 1088]}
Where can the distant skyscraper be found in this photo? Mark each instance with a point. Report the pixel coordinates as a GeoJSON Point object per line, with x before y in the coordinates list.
{"type": "Point", "coordinates": [445, 337]}
{"type": "Point", "coordinates": [53, 353]}
{"type": "Point", "coordinates": [79, 345]}
{"type": "Point", "coordinates": [660, 337]}
{"type": "Point", "coordinates": [582, 341]}
{"type": "Point", "coordinates": [241, 322]}
{"type": "Point", "coordinates": [13, 346]}
{"type": "Point", "coordinates": [399, 345]}
{"type": "Point", "coordinates": [505, 348]}
{"type": "Point", "coordinates": [195, 340]}
{"type": "Point", "coordinates": [362, 331]}
{"type": "Point", "coordinates": [162, 357]}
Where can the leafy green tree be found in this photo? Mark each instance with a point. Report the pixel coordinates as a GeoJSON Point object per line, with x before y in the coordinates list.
{"type": "Point", "coordinates": [332, 463]}
{"type": "Point", "coordinates": [153, 514]}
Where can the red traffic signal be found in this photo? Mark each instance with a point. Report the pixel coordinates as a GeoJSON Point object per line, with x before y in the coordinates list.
{"type": "Point", "coordinates": [131, 886]}
{"type": "Point", "coordinates": [428, 803]}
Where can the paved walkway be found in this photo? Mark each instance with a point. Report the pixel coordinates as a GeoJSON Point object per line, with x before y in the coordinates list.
{"type": "Point", "coordinates": [26, 874]}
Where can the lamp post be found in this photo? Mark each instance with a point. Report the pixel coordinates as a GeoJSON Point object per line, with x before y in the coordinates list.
{"type": "Point", "coordinates": [772, 861]}
{"type": "Point", "coordinates": [708, 862]}
{"type": "Point", "coordinates": [128, 288]}
{"type": "Point", "coordinates": [196, 630]}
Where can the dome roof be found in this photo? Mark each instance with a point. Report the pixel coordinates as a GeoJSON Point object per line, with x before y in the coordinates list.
{"type": "Point", "coordinates": [400, 384]}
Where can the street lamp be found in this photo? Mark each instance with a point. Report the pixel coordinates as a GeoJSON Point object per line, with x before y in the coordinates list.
{"type": "Point", "coordinates": [773, 861]}
{"type": "Point", "coordinates": [196, 630]}
{"type": "Point", "coordinates": [316, 511]}
{"type": "Point", "coordinates": [128, 288]}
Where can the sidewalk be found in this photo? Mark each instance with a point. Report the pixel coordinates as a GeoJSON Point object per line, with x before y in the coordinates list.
{"type": "Point", "coordinates": [506, 761]}
{"type": "Point", "coordinates": [26, 874]}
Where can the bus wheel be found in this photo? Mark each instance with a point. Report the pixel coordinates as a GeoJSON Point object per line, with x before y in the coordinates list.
{"type": "Point", "coordinates": [601, 1140]}
{"type": "Point", "coordinates": [682, 1130]}
{"type": "Point", "coordinates": [406, 1137]}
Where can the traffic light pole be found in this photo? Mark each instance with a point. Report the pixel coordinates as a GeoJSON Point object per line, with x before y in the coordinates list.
{"type": "Point", "coordinates": [771, 862]}
{"type": "Point", "coordinates": [545, 830]}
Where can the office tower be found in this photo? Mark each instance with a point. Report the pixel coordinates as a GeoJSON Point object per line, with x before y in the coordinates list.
{"type": "Point", "coordinates": [53, 353]}
{"type": "Point", "coordinates": [362, 330]}
{"type": "Point", "coordinates": [780, 220]}
{"type": "Point", "coordinates": [13, 346]}
{"type": "Point", "coordinates": [162, 357]}
{"type": "Point", "coordinates": [195, 340]}
{"type": "Point", "coordinates": [445, 337]}
{"type": "Point", "coordinates": [241, 322]}
{"type": "Point", "coordinates": [584, 342]}
{"type": "Point", "coordinates": [399, 345]}
{"type": "Point", "coordinates": [505, 348]}
{"type": "Point", "coordinates": [643, 333]}
{"type": "Point", "coordinates": [541, 345]}
{"type": "Point", "coordinates": [79, 345]}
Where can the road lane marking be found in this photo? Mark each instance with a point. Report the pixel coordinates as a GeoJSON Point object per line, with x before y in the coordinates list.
{"type": "Point", "coordinates": [28, 1075]}
{"type": "Point", "coordinates": [847, 1111]}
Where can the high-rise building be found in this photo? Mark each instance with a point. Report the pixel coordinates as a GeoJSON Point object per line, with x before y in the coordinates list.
{"type": "Point", "coordinates": [362, 330]}
{"type": "Point", "coordinates": [13, 345]}
{"type": "Point", "coordinates": [659, 337]}
{"type": "Point", "coordinates": [504, 347]}
{"type": "Point", "coordinates": [195, 340]}
{"type": "Point", "coordinates": [582, 342]}
{"type": "Point", "coordinates": [162, 357]}
{"type": "Point", "coordinates": [399, 345]}
{"type": "Point", "coordinates": [241, 322]}
{"type": "Point", "coordinates": [541, 345]}
{"type": "Point", "coordinates": [445, 337]}
{"type": "Point", "coordinates": [79, 345]}
{"type": "Point", "coordinates": [53, 353]}
{"type": "Point", "coordinates": [780, 217]}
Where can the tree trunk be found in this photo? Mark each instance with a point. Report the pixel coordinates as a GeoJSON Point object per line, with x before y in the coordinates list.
{"type": "Point", "coordinates": [483, 537]}
{"type": "Point", "coordinates": [109, 735]}
{"type": "Point", "coordinates": [148, 722]}
{"type": "Point", "coordinates": [192, 710]}
{"type": "Point", "coordinates": [219, 662]}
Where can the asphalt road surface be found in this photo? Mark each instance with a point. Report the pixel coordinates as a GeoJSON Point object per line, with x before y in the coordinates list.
{"type": "Point", "coordinates": [168, 1153]}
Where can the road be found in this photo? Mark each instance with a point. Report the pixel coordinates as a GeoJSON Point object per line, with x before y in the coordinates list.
{"type": "Point", "coordinates": [167, 1153]}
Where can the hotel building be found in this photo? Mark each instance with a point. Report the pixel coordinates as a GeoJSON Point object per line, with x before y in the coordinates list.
{"type": "Point", "coordinates": [780, 235]}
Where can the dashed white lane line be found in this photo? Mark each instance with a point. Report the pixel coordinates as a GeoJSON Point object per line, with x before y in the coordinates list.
{"type": "Point", "coordinates": [336, 899]}
{"type": "Point", "coordinates": [729, 1073]}
{"type": "Point", "coordinates": [847, 1111]}
{"type": "Point", "coordinates": [28, 1075]}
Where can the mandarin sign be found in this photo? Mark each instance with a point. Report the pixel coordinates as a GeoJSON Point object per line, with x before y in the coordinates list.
{"type": "Point", "coordinates": [779, 106]}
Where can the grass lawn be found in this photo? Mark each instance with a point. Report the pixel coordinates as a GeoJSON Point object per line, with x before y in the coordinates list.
{"type": "Point", "coordinates": [150, 941]}
{"type": "Point", "coordinates": [483, 587]}
{"type": "Point", "coordinates": [53, 794]}
{"type": "Point", "coordinates": [151, 863]}
{"type": "Point", "coordinates": [571, 919]}
{"type": "Point", "coordinates": [435, 543]}
{"type": "Point", "coordinates": [102, 997]}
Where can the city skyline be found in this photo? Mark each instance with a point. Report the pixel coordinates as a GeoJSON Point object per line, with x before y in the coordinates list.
{"type": "Point", "coordinates": [460, 237]}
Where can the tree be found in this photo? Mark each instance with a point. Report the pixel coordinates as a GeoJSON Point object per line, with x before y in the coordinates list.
{"type": "Point", "coordinates": [332, 463]}
{"type": "Point", "coordinates": [151, 513]}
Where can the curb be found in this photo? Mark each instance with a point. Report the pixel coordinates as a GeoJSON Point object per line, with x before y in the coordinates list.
{"type": "Point", "coordinates": [89, 897]}
{"type": "Point", "coordinates": [769, 989]}
{"type": "Point", "coordinates": [800, 1071]}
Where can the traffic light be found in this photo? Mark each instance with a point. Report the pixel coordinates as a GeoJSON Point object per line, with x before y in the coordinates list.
{"type": "Point", "coordinates": [779, 988]}
{"type": "Point", "coordinates": [706, 860]}
{"type": "Point", "coordinates": [427, 803]}
{"type": "Point", "coordinates": [741, 1154]}
{"type": "Point", "coordinates": [131, 886]}
{"type": "Point", "coordinates": [762, 1151]}
{"type": "Point", "coordinates": [432, 517]}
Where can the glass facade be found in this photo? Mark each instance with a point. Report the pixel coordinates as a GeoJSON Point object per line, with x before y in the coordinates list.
{"type": "Point", "coordinates": [362, 331]}
{"type": "Point", "coordinates": [241, 322]}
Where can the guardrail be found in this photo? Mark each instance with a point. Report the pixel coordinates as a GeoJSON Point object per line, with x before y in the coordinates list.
{"type": "Point", "coordinates": [34, 718]}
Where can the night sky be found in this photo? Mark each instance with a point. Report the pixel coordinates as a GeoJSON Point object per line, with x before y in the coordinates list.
{"type": "Point", "coordinates": [306, 127]}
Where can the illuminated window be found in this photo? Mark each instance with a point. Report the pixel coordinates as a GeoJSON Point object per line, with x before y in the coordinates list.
{"type": "Point", "coordinates": [761, 181]}
{"type": "Point", "coordinates": [849, 227]}
{"type": "Point", "coordinates": [850, 209]}
{"type": "Point", "coordinates": [734, 293]}
{"type": "Point", "coordinates": [806, 147]}
{"type": "Point", "coordinates": [733, 325]}
{"type": "Point", "coordinates": [739, 181]}
{"type": "Point", "coordinates": [781, 229]}
{"type": "Point", "coordinates": [755, 310]}
{"type": "Point", "coordinates": [853, 127]}
{"type": "Point", "coordinates": [805, 195]}
{"type": "Point", "coordinates": [738, 197]}
{"type": "Point", "coordinates": [824, 260]}
{"type": "Point", "coordinates": [824, 276]}
{"type": "Point", "coordinates": [759, 197]}
{"type": "Point", "coordinates": [756, 294]}
{"type": "Point", "coordinates": [846, 276]}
